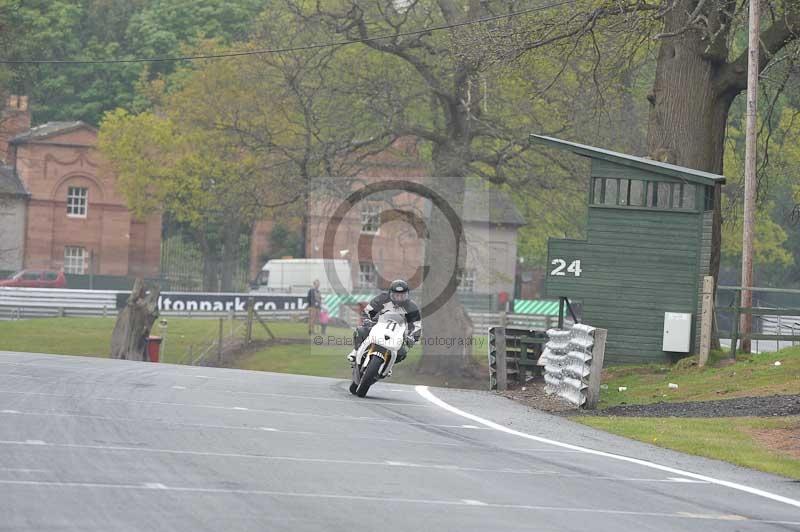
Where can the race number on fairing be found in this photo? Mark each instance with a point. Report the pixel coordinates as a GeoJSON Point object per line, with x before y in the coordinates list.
{"type": "Point", "coordinates": [560, 266]}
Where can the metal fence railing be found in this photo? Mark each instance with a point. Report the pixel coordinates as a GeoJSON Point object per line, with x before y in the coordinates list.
{"type": "Point", "coordinates": [482, 321]}
{"type": "Point", "coordinates": [768, 320]}
{"type": "Point", "coordinates": [20, 303]}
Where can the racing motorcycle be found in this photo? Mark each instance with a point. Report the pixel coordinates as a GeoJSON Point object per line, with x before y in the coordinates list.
{"type": "Point", "coordinates": [378, 352]}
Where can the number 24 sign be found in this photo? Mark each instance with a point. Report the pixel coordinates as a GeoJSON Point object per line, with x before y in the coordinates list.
{"type": "Point", "coordinates": [561, 269]}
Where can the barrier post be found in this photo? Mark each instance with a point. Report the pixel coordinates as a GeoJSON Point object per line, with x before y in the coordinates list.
{"type": "Point", "coordinates": [707, 312]}
{"type": "Point", "coordinates": [501, 368]}
{"type": "Point", "coordinates": [596, 369]}
{"type": "Point", "coordinates": [219, 345]}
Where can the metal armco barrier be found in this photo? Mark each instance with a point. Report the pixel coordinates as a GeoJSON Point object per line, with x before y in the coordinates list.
{"type": "Point", "coordinates": [20, 303]}
{"type": "Point", "coordinates": [573, 362]}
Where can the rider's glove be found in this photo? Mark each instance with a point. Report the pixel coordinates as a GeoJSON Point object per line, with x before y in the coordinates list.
{"type": "Point", "coordinates": [367, 322]}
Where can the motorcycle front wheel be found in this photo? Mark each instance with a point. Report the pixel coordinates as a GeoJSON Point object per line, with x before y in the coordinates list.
{"type": "Point", "coordinates": [356, 379]}
{"type": "Point", "coordinates": [369, 376]}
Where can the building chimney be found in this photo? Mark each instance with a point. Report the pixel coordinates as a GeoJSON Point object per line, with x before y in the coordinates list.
{"type": "Point", "coordinates": [15, 119]}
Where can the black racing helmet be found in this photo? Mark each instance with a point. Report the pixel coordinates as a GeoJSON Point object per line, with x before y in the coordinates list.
{"type": "Point", "coordinates": [399, 291]}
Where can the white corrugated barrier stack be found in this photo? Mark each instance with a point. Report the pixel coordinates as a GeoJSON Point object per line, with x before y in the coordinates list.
{"type": "Point", "coordinates": [568, 360]}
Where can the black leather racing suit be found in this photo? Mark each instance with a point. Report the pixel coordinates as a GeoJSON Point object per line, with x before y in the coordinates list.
{"type": "Point", "coordinates": [383, 303]}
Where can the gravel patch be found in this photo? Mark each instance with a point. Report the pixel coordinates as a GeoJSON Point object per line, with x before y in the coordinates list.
{"type": "Point", "coordinates": [533, 395]}
{"type": "Point", "coordinates": [773, 405]}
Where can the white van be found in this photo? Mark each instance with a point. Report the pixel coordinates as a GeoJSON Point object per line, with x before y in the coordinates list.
{"type": "Point", "coordinates": [294, 276]}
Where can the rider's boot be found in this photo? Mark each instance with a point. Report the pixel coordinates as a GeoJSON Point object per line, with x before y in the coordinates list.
{"type": "Point", "coordinates": [352, 356]}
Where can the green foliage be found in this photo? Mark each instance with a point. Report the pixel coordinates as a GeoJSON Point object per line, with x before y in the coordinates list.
{"type": "Point", "coordinates": [776, 239]}
{"type": "Point", "coordinates": [283, 242]}
{"type": "Point", "coordinates": [103, 29]}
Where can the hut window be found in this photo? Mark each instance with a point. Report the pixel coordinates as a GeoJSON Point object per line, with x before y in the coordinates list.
{"type": "Point", "coordinates": [663, 195]}
{"type": "Point", "coordinates": [597, 196]}
{"type": "Point", "coordinates": [611, 192]}
{"type": "Point", "coordinates": [624, 191]}
{"type": "Point", "coordinates": [636, 193]}
{"type": "Point", "coordinates": [676, 195]}
{"type": "Point", "coordinates": [687, 201]}
{"type": "Point", "coordinates": [709, 199]}
{"type": "Point", "coordinates": [650, 194]}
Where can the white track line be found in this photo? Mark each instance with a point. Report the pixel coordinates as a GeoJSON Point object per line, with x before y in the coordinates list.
{"type": "Point", "coordinates": [175, 424]}
{"type": "Point", "coordinates": [426, 393]}
{"type": "Point", "coordinates": [275, 458]}
{"type": "Point", "coordinates": [464, 503]}
{"type": "Point", "coordinates": [232, 409]}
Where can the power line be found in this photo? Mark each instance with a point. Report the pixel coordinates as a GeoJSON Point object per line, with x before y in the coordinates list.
{"type": "Point", "coordinates": [240, 53]}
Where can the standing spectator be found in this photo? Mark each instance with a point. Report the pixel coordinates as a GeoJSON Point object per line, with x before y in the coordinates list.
{"type": "Point", "coordinates": [324, 318]}
{"type": "Point", "coordinates": [314, 300]}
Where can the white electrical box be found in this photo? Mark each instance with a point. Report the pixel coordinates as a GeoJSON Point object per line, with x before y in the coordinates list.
{"type": "Point", "coordinates": [677, 332]}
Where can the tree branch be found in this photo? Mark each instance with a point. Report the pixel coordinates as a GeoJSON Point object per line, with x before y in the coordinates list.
{"type": "Point", "coordinates": [773, 39]}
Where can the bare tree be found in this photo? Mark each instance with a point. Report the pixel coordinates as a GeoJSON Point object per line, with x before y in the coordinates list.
{"type": "Point", "coordinates": [129, 338]}
{"type": "Point", "coordinates": [436, 89]}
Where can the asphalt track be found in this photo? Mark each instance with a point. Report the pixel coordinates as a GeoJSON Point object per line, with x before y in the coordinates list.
{"type": "Point", "coordinates": [101, 445]}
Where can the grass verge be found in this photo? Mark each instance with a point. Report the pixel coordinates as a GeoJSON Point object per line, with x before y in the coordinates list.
{"type": "Point", "coordinates": [736, 440]}
{"type": "Point", "coordinates": [766, 444]}
{"type": "Point", "coordinates": [750, 376]}
{"type": "Point", "coordinates": [92, 337]}
{"type": "Point", "coordinates": [329, 361]}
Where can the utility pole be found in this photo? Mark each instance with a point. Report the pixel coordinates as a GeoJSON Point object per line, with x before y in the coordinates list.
{"type": "Point", "coordinates": [750, 172]}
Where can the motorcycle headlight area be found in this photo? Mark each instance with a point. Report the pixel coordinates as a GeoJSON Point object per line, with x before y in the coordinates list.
{"type": "Point", "coordinates": [375, 349]}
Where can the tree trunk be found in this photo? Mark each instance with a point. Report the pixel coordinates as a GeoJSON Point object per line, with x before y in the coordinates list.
{"type": "Point", "coordinates": [230, 255]}
{"type": "Point", "coordinates": [129, 339]}
{"type": "Point", "coordinates": [448, 350]}
{"type": "Point", "coordinates": [448, 330]}
{"type": "Point", "coordinates": [687, 113]}
{"type": "Point", "coordinates": [689, 108]}
{"type": "Point", "coordinates": [210, 264]}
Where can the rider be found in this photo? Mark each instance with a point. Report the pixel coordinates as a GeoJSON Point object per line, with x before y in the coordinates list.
{"type": "Point", "coordinates": [398, 299]}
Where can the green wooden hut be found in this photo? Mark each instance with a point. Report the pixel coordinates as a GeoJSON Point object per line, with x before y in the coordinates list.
{"type": "Point", "coordinates": [647, 249]}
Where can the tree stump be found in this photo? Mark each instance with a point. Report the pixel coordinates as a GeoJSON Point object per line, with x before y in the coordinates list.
{"type": "Point", "coordinates": [129, 339]}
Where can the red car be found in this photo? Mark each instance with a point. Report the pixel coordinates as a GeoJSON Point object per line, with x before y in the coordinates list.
{"type": "Point", "coordinates": [36, 279]}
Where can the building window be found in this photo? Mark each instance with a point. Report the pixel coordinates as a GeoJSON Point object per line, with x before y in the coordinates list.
{"type": "Point", "coordinates": [687, 196]}
{"type": "Point", "coordinates": [74, 260]}
{"type": "Point", "coordinates": [76, 201]}
{"type": "Point", "coordinates": [636, 193]}
{"type": "Point", "coordinates": [708, 199]}
{"type": "Point", "coordinates": [370, 218]}
{"type": "Point", "coordinates": [466, 280]}
{"type": "Point", "coordinates": [367, 276]}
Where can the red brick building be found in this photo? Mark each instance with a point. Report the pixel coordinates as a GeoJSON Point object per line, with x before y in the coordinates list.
{"type": "Point", "coordinates": [382, 238]}
{"type": "Point", "coordinates": [76, 218]}
{"type": "Point", "coordinates": [384, 235]}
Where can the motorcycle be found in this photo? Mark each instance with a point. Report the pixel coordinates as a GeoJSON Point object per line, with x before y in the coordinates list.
{"type": "Point", "coordinates": [378, 352]}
